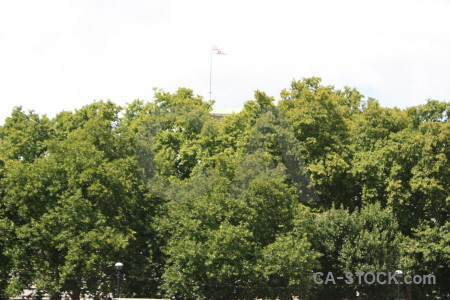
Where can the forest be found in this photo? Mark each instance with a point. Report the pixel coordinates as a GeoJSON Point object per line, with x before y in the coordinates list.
{"type": "Point", "coordinates": [249, 206]}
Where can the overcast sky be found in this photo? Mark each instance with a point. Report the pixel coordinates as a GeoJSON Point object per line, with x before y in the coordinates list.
{"type": "Point", "coordinates": [60, 55]}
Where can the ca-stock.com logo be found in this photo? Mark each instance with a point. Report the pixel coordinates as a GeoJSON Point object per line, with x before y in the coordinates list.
{"type": "Point", "coordinates": [369, 278]}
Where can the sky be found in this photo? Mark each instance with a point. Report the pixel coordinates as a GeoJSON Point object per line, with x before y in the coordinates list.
{"type": "Point", "coordinates": [61, 55]}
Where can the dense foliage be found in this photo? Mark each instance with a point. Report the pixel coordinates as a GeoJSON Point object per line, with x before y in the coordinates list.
{"type": "Point", "coordinates": [248, 206]}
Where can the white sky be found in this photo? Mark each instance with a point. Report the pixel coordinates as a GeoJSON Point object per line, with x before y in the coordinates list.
{"type": "Point", "coordinates": [60, 55]}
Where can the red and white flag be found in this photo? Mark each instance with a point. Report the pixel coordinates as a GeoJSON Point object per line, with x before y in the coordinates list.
{"type": "Point", "coordinates": [218, 51]}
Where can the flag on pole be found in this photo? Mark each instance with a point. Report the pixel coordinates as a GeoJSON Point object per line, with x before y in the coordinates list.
{"type": "Point", "coordinates": [218, 51]}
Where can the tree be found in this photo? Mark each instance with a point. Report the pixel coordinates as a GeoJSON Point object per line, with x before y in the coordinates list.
{"type": "Point", "coordinates": [5, 266]}
{"type": "Point", "coordinates": [23, 136]}
{"type": "Point", "coordinates": [241, 208]}
{"type": "Point", "coordinates": [174, 128]}
{"type": "Point", "coordinates": [366, 240]}
{"type": "Point", "coordinates": [229, 230]}
{"type": "Point", "coordinates": [75, 206]}
{"type": "Point", "coordinates": [318, 117]}
{"type": "Point", "coordinates": [428, 253]}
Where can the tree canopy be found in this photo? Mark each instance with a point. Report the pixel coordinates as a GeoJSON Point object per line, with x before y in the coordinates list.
{"type": "Point", "coordinates": [251, 206]}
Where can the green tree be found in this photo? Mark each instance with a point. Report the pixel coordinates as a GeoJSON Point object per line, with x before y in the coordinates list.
{"type": "Point", "coordinates": [5, 266]}
{"type": "Point", "coordinates": [173, 128]}
{"type": "Point", "coordinates": [23, 136]}
{"type": "Point", "coordinates": [76, 208]}
{"type": "Point", "coordinates": [241, 208]}
{"type": "Point", "coordinates": [429, 254]}
{"type": "Point", "coordinates": [229, 230]}
{"type": "Point", "coordinates": [367, 240]}
{"type": "Point", "coordinates": [318, 116]}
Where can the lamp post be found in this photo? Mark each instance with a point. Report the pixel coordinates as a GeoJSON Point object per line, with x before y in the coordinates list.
{"type": "Point", "coordinates": [398, 275]}
{"type": "Point", "coordinates": [118, 267]}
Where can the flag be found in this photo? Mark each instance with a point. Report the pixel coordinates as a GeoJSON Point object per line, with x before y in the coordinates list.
{"type": "Point", "coordinates": [218, 51]}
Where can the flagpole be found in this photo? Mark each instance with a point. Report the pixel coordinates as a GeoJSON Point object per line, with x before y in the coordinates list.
{"type": "Point", "coordinates": [210, 74]}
